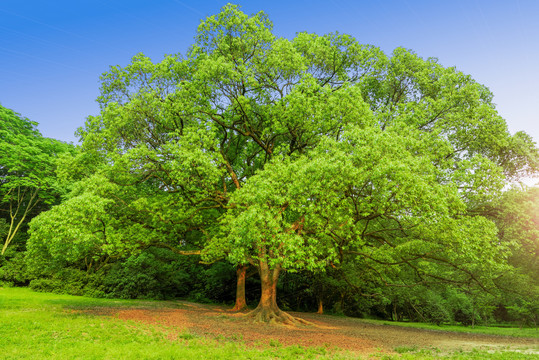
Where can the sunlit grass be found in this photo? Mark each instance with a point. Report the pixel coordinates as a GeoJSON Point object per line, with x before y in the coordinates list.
{"type": "Point", "coordinates": [48, 326]}
{"type": "Point", "coordinates": [469, 355]}
{"type": "Point", "coordinates": [487, 330]}
{"type": "Point", "coordinates": [51, 326]}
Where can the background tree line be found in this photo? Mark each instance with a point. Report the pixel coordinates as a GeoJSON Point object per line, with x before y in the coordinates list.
{"type": "Point", "coordinates": [345, 179]}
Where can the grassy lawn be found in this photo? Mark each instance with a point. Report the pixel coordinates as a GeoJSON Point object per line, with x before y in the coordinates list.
{"type": "Point", "coordinates": [51, 326]}
{"type": "Point", "coordinates": [490, 330]}
{"type": "Point", "coordinates": [48, 326]}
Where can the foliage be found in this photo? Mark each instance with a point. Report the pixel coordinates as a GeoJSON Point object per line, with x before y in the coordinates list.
{"type": "Point", "coordinates": [297, 155]}
{"type": "Point", "coordinates": [27, 171]}
{"type": "Point", "coordinates": [68, 281]}
{"type": "Point", "coordinates": [214, 283]}
{"type": "Point", "coordinates": [80, 230]}
{"type": "Point", "coordinates": [527, 312]}
{"type": "Point", "coordinates": [517, 217]}
{"type": "Point", "coordinates": [13, 270]}
{"type": "Point", "coordinates": [152, 274]}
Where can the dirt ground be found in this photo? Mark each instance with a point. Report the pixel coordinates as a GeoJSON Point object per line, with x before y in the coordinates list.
{"type": "Point", "coordinates": [327, 331]}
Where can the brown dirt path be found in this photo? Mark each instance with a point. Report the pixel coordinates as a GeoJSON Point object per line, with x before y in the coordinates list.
{"type": "Point", "coordinates": [328, 331]}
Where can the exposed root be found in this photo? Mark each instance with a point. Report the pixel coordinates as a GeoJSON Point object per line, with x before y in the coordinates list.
{"type": "Point", "coordinates": [239, 308]}
{"type": "Point", "coordinates": [276, 316]}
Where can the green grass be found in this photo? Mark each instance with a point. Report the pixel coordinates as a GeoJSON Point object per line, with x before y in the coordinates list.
{"type": "Point", "coordinates": [487, 330]}
{"type": "Point", "coordinates": [48, 326]}
{"type": "Point", "coordinates": [470, 355]}
{"type": "Point", "coordinates": [406, 349]}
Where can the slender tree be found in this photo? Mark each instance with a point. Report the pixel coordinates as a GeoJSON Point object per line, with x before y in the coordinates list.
{"type": "Point", "coordinates": [27, 171]}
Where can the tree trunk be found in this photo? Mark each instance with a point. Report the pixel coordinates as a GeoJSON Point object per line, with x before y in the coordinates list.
{"type": "Point", "coordinates": [267, 309]}
{"type": "Point", "coordinates": [473, 314]}
{"type": "Point", "coordinates": [320, 307]}
{"type": "Point", "coordinates": [320, 292]}
{"type": "Point", "coordinates": [13, 213]}
{"type": "Point", "coordinates": [241, 274]}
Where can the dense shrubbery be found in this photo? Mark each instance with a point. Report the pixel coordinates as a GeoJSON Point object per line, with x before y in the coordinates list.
{"type": "Point", "coordinates": [151, 274]}
{"type": "Point", "coordinates": [13, 270]}
{"type": "Point", "coordinates": [154, 273]}
{"type": "Point", "coordinates": [161, 274]}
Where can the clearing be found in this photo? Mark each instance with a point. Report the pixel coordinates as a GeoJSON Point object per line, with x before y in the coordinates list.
{"type": "Point", "coordinates": [334, 332]}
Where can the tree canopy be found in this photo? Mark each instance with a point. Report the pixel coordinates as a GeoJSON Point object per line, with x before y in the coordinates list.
{"type": "Point", "coordinates": [303, 154]}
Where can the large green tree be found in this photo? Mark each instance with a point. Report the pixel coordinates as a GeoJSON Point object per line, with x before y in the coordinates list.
{"type": "Point", "coordinates": [299, 154]}
{"type": "Point", "coordinates": [27, 171]}
{"type": "Point", "coordinates": [160, 128]}
{"type": "Point", "coordinates": [374, 197]}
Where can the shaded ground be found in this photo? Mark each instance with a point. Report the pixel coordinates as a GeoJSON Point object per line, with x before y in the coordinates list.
{"type": "Point", "coordinates": [327, 331]}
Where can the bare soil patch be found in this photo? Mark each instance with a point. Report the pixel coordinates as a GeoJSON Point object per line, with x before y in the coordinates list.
{"type": "Point", "coordinates": [328, 331]}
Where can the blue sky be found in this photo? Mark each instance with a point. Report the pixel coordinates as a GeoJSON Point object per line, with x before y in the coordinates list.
{"type": "Point", "coordinates": [53, 52]}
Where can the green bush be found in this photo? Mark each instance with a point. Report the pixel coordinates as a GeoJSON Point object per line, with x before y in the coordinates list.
{"type": "Point", "coordinates": [526, 312]}
{"type": "Point", "coordinates": [13, 270]}
{"type": "Point", "coordinates": [47, 285]}
{"type": "Point", "coordinates": [69, 281]}
{"type": "Point", "coordinates": [219, 281]}
{"type": "Point", "coordinates": [153, 274]}
{"type": "Point", "coordinates": [460, 306]}
{"type": "Point", "coordinates": [435, 308]}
